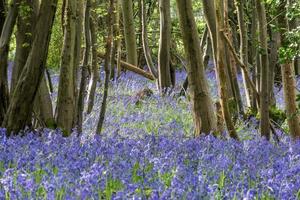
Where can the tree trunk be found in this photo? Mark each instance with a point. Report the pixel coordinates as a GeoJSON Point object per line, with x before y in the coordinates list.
{"type": "Point", "coordinates": [77, 53]}
{"type": "Point", "coordinates": [129, 32]}
{"type": "Point", "coordinates": [273, 57]}
{"type": "Point", "coordinates": [65, 107]}
{"type": "Point", "coordinates": [294, 23]}
{"type": "Point", "coordinates": [253, 52]}
{"type": "Point", "coordinates": [240, 5]}
{"type": "Point", "coordinates": [95, 72]}
{"type": "Point", "coordinates": [6, 33]}
{"type": "Point", "coordinates": [118, 39]}
{"type": "Point", "coordinates": [210, 16]}
{"type": "Point", "coordinates": [21, 104]}
{"type": "Point", "coordinates": [164, 75]}
{"type": "Point", "coordinates": [43, 105]}
{"type": "Point", "coordinates": [84, 71]}
{"type": "Point", "coordinates": [288, 77]}
{"type": "Point", "coordinates": [2, 14]}
{"type": "Point", "coordinates": [264, 87]}
{"type": "Point", "coordinates": [203, 109]}
{"type": "Point", "coordinates": [147, 51]}
{"type": "Point", "coordinates": [108, 54]}
{"type": "Point", "coordinates": [24, 37]}
{"type": "Point", "coordinates": [221, 69]}
{"type": "Point", "coordinates": [114, 44]}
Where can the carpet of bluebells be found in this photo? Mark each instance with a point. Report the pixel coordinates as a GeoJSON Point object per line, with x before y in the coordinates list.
{"type": "Point", "coordinates": [147, 151]}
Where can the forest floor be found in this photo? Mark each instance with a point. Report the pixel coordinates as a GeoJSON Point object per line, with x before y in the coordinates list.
{"type": "Point", "coordinates": [147, 151]}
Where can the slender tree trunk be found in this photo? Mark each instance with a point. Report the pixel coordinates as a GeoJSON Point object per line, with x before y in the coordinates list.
{"type": "Point", "coordinates": [147, 51]}
{"type": "Point", "coordinates": [65, 108]}
{"type": "Point", "coordinates": [240, 6]}
{"type": "Point", "coordinates": [77, 53]}
{"type": "Point", "coordinates": [21, 104]}
{"type": "Point", "coordinates": [118, 39]}
{"type": "Point", "coordinates": [210, 16]}
{"type": "Point", "coordinates": [235, 104]}
{"type": "Point", "coordinates": [2, 14]}
{"type": "Point", "coordinates": [114, 43]}
{"type": "Point", "coordinates": [108, 54]}
{"type": "Point", "coordinates": [265, 93]}
{"type": "Point", "coordinates": [95, 72]}
{"type": "Point", "coordinates": [164, 75]}
{"type": "Point", "coordinates": [202, 107]}
{"type": "Point", "coordinates": [84, 71]}
{"type": "Point", "coordinates": [294, 23]}
{"type": "Point", "coordinates": [6, 33]}
{"type": "Point", "coordinates": [273, 57]}
{"type": "Point", "coordinates": [233, 63]}
{"type": "Point", "coordinates": [253, 52]}
{"type": "Point", "coordinates": [221, 69]}
{"type": "Point", "coordinates": [129, 32]}
{"type": "Point", "coordinates": [288, 77]}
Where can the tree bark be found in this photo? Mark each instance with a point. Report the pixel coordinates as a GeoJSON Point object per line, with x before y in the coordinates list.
{"type": "Point", "coordinates": [85, 66]}
{"type": "Point", "coordinates": [294, 23]}
{"type": "Point", "coordinates": [264, 87]}
{"type": "Point", "coordinates": [43, 105]}
{"type": "Point", "coordinates": [202, 107]}
{"type": "Point", "coordinates": [24, 36]}
{"type": "Point", "coordinates": [147, 51]}
{"type": "Point", "coordinates": [95, 72]}
{"type": "Point", "coordinates": [164, 75]}
{"type": "Point", "coordinates": [65, 108]}
{"type": "Point", "coordinates": [288, 77]}
{"type": "Point", "coordinates": [108, 54]}
{"type": "Point", "coordinates": [77, 52]}
{"type": "Point", "coordinates": [221, 69]}
{"type": "Point", "coordinates": [129, 32]}
{"type": "Point", "coordinates": [6, 33]}
{"type": "Point", "coordinates": [240, 6]}
{"type": "Point", "coordinates": [21, 104]}
{"type": "Point", "coordinates": [2, 14]}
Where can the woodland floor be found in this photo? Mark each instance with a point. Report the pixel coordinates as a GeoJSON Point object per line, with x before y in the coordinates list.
{"type": "Point", "coordinates": [147, 151]}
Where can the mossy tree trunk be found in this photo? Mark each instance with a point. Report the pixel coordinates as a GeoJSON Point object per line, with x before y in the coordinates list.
{"type": "Point", "coordinates": [288, 76]}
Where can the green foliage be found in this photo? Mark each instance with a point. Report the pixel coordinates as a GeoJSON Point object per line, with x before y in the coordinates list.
{"type": "Point", "coordinates": [41, 193]}
{"type": "Point", "coordinates": [24, 10]}
{"type": "Point", "coordinates": [135, 177]}
{"type": "Point", "coordinates": [277, 115]}
{"type": "Point", "coordinates": [38, 175]}
{"type": "Point", "coordinates": [298, 100]}
{"type": "Point", "coordinates": [167, 178]}
{"type": "Point", "coordinates": [56, 41]}
{"type": "Point", "coordinates": [60, 194]}
{"type": "Point", "coordinates": [112, 186]}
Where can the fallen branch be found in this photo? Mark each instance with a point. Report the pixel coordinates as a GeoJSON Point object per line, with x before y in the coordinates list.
{"type": "Point", "coordinates": [132, 68]}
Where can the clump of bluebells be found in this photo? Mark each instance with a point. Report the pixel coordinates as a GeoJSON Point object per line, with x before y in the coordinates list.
{"type": "Point", "coordinates": [147, 151]}
{"type": "Point", "coordinates": [150, 167]}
